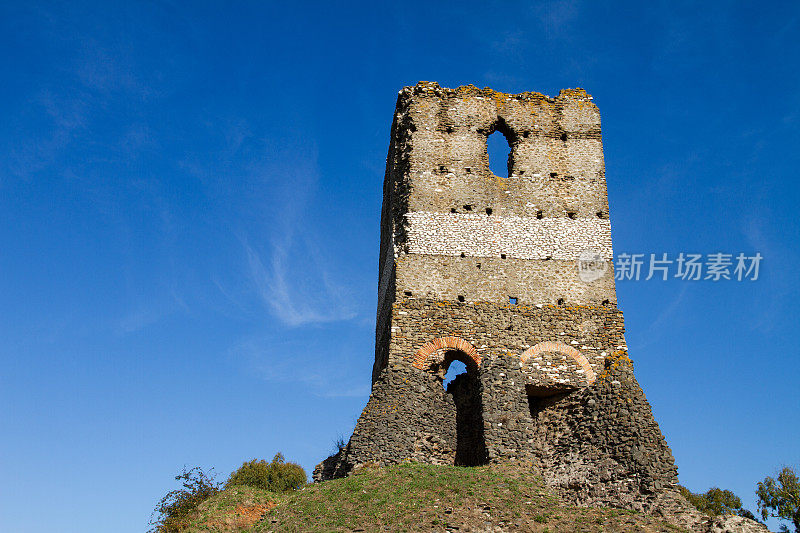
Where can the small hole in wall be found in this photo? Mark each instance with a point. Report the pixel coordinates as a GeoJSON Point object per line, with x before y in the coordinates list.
{"type": "Point", "coordinates": [461, 298]}
{"type": "Point", "coordinates": [539, 215]}
{"type": "Point", "coordinates": [606, 302]}
{"type": "Point", "coordinates": [452, 209]}
{"type": "Point", "coordinates": [469, 170]}
{"type": "Point", "coordinates": [512, 300]}
{"type": "Point", "coordinates": [407, 293]}
{"type": "Point", "coordinates": [554, 174]}
{"type": "Point", "coordinates": [467, 207]}
{"type": "Point", "coordinates": [526, 134]}
{"type": "Point", "coordinates": [560, 301]}
{"type": "Point", "coordinates": [572, 214]}
{"type": "Point", "coordinates": [479, 266]}
{"type": "Point", "coordinates": [564, 137]}
{"type": "Point", "coordinates": [488, 210]}
{"type": "Point", "coordinates": [463, 255]}
{"type": "Point", "coordinates": [502, 256]}
{"type": "Point", "coordinates": [509, 328]}
{"type": "Point", "coordinates": [442, 168]}
{"type": "Point", "coordinates": [548, 258]}
{"type": "Point", "coordinates": [449, 129]}
{"type": "Point", "coordinates": [600, 214]}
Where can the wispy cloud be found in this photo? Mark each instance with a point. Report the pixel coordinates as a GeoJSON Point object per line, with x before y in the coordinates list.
{"type": "Point", "coordinates": [312, 363]}
{"type": "Point", "coordinates": [777, 280]}
{"type": "Point", "coordinates": [150, 311]}
{"type": "Point", "coordinates": [657, 328]}
{"type": "Point", "coordinates": [293, 294]}
{"type": "Point", "coordinates": [283, 249]}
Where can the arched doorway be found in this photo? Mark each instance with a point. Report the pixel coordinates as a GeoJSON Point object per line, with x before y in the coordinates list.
{"type": "Point", "coordinates": [465, 389]}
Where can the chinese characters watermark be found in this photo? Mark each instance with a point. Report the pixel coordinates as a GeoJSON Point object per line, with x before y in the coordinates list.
{"type": "Point", "coordinates": [684, 266]}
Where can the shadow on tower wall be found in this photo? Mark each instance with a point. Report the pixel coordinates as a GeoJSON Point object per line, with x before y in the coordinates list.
{"type": "Point", "coordinates": [470, 440]}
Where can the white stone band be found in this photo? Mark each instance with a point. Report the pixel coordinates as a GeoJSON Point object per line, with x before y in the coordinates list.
{"type": "Point", "coordinates": [519, 237]}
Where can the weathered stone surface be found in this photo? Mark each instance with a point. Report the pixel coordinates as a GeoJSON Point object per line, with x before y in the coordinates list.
{"type": "Point", "coordinates": [481, 268]}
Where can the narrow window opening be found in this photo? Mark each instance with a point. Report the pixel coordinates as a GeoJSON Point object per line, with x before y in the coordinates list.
{"type": "Point", "coordinates": [499, 151]}
{"type": "Point", "coordinates": [554, 175]}
{"type": "Point", "coordinates": [488, 210]}
{"type": "Point", "coordinates": [461, 298]}
{"type": "Point", "coordinates": [479, 266]}
{"type": "Point", "coordinates": [512, 300]}
{"type": "Point", "coordinates": [467, 207]}
{"type": "Point", "coordinates": [600, 214]}
{"type": "Point", "coordinates": [564, 137]}
{"type": "Point", "coordinates": [407, 293]}
{"type": "Point", "coordinates": [539, 215]}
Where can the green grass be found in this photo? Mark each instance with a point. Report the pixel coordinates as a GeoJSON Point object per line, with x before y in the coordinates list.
{"type": "Point", "coordinates": [416, 497]}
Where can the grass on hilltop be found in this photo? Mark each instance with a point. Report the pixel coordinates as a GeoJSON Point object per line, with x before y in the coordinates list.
{"type": "Point", "coordinates": [415, 497]}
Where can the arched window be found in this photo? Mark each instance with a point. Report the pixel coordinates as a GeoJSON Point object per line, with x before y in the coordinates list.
{"type": "Point", "coordinates": [498, 148]}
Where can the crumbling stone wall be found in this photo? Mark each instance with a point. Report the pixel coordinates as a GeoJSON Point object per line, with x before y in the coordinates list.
{"type": "Point", "coordinates": [482, 268]}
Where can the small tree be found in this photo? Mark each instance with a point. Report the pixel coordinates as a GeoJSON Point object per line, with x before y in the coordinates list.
{"type": "Point", "coordinates": [277, 476]}
{"type": "Point", "coordinates": [716, 501]}
{"type": "Point", "coordinates": [780, 498]}
{"type": "Point", "coordinates": [173, 513]}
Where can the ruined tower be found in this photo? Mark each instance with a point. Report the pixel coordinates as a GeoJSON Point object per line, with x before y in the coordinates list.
{"type": "Point", "coordinates": [486, 269]}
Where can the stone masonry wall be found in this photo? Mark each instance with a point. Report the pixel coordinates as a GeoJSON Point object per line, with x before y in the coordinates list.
{"type": "Point", "coordinates": [482, 268]}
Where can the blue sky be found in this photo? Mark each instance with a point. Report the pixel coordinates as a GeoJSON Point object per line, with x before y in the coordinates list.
{"type": "Point", "coordinates": [189, 208]}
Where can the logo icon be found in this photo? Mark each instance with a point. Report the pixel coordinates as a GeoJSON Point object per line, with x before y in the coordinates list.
{"type": "Point", "coordinates": [591, 266]}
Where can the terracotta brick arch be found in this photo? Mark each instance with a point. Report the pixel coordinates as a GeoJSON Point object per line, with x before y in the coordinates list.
{"type": "Point", "coordinates": [560, 347]}
{"type": "Point", "coordinates": [424, 354]}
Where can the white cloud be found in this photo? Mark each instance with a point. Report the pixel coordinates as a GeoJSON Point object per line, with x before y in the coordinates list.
{"type": "Point", "coordinates": [297, 294]}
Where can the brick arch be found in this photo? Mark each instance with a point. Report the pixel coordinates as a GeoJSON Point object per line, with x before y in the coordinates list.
{"type": "Point", "coordinates": [423, 355]}
{"type": "Point", "coordinates": [560, 347]}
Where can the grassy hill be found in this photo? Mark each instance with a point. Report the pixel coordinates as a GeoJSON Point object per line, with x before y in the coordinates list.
{"type": "Point", "coordinates": [415, 497]}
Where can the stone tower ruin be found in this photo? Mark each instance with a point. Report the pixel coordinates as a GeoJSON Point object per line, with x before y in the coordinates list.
{"type": "Point", "coordinates": [484, 269]}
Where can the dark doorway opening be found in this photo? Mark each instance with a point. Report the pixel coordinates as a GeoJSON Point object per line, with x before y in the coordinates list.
{"type": "Point", "coordinates": [465, 388]}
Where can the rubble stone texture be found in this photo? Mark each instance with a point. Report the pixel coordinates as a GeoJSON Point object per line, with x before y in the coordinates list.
{"type": "Point", "coordinates": [482, 268]}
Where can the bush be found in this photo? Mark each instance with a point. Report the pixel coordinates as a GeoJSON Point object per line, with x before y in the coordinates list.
{"type": "Point", "coordinates": [175, 510]}
{"type": "Point", "coordinates": [277, 476]}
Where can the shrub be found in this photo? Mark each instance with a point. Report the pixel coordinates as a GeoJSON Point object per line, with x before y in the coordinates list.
{"type": "Point", "coordinates": [174, 512]}
{"type": "Point", "coordinates": [339, 444]}
{"type": "Point", "coordinates": [277, 476]}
